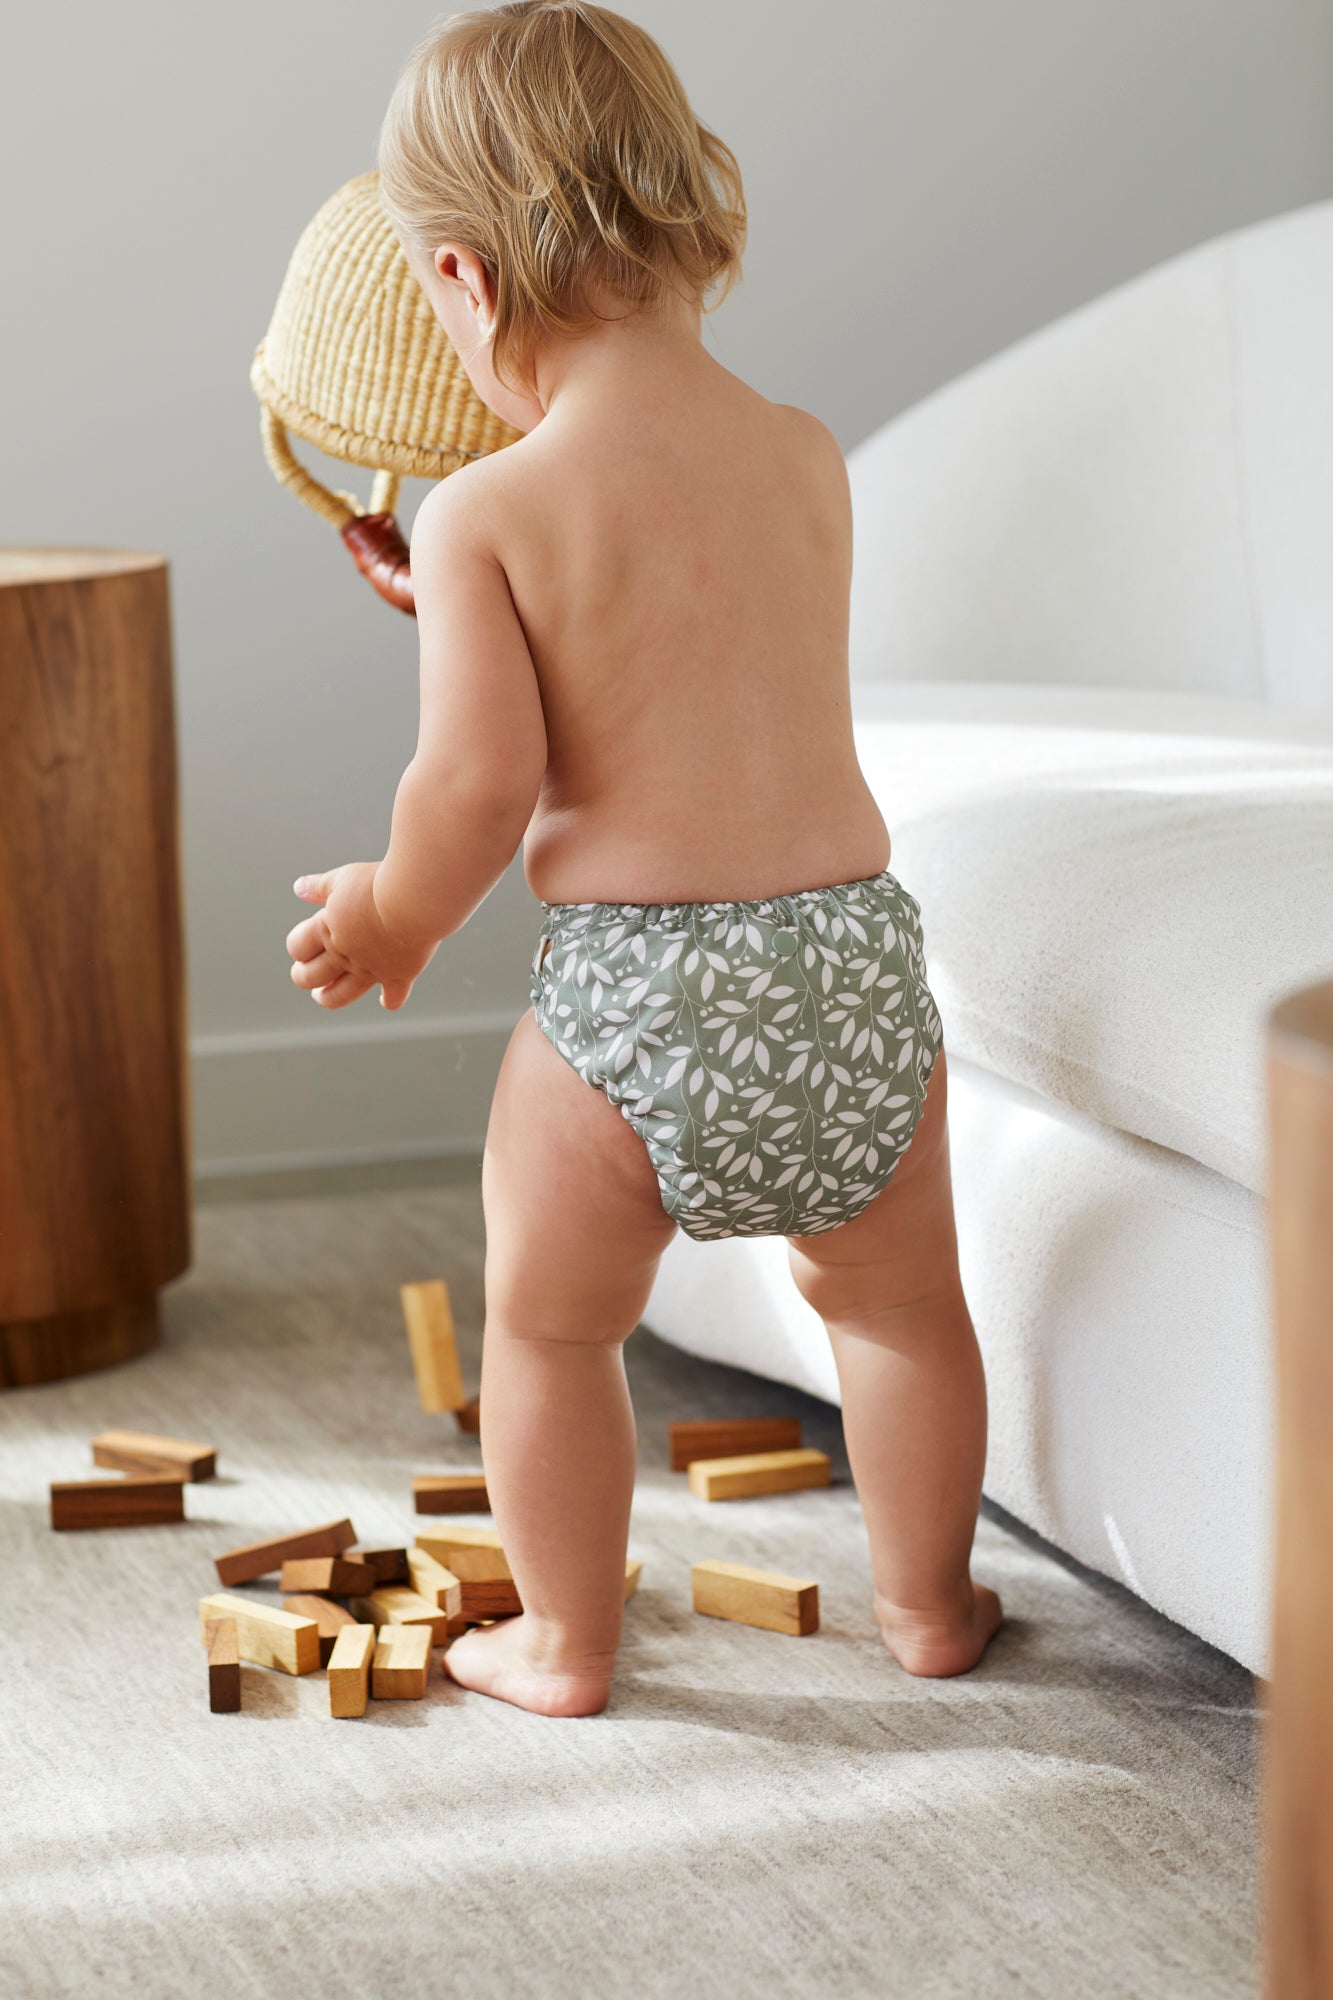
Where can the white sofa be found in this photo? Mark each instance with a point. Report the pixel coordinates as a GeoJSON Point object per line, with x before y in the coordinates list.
{"type": "Point", "coordinates": [1092, 662]}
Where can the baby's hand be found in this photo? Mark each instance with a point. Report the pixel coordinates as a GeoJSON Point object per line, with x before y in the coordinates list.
{"type": "Point", "coordinates": [344, 950]}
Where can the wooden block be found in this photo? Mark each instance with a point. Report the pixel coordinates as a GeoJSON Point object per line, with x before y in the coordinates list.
{"type": "Point", "coordinates": [243, 1565]}
{"type": "Point", "coordinates": [758, 1472]}
{"type": "Point", "coordinates": [224, 1665]}
{"type": "Point", "coordinates": [389, 1564]}
{"type": "Point", "coordinates": [332, 1576]}
{"type": "Point", "coordinates": [475, 1555]}
{"type": "Point", "coordinates": [438, 1585]}
{"type": "Point", "coordinates": [142, 1451]}
{"type": "Point", "coordinates": [730, 1438]}
{"type": "Point", "coordinates": [266, 1635]}
{"type": "Point", "coordinates": [142, 1500]}
{"type": "Point", "coordinates": [394, 1604]}
{"type": "Point", "coordinates": [430, 1334]}
{"type": "Point", "coordinates": [762, 1597]}
{"type": "Point", "coordinates": [451, 1493]}
{"type": "Point", "coordinates": [401, 1663]}
{"type": "Point", "coordinates": [349, 1670]}
{"type": "Point", "coordinates": [468, 1417]}
{"type": "Point", "coordinates": [331, 1618]}
{"type": "Point", "coordinates": [489, 1597]}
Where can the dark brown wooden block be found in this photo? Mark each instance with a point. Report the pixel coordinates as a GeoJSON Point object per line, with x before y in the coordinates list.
{"type": "Point", "coordinates": [143, 1502]}
{"type": "Point", "coordinates": [389, 1564]}
{"type": "Point", "coordinates": [243, 1565]}
{"type": "Point", "coordinates": [451, 1493]}
{"type": "Point", "coordinates": [495, 1598]}
{"type": "Point", "coordinates": [224, 1665]}
{"type": "Point", "coordinates": [730, 1438]}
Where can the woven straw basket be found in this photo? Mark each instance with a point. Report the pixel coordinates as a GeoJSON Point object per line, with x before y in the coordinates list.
{"type": "Point", "coordinates": [356, 363]}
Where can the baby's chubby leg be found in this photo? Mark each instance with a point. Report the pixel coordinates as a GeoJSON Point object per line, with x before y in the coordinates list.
{"type": "Point", "coordinates": [913, 1398]}
{"type": "Point", "coordinates": [574, 1231]}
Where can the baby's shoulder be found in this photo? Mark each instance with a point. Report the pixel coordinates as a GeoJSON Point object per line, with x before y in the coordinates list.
{"type": "Point", "coordinates": [458, 508]}
{"type": "Point", "coordinates": [813, 435]}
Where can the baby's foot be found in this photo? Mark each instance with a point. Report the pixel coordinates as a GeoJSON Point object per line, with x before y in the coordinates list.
{"type": "Point", "coordinates": [926, 1643]}
{"type": "Point", "coordinates": [499, 1660]}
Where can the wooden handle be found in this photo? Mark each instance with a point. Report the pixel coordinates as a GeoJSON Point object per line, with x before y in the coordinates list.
{"type": "Point", "coordinates": [381, 555]}
{"type": "Point", "coordinates": [1298, 1727]}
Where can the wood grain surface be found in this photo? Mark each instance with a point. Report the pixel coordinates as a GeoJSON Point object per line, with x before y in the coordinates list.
{"type": "Point", "coordinates": [1298, 1724]}
{"type": "Point", "coordinates": [94, 1116]}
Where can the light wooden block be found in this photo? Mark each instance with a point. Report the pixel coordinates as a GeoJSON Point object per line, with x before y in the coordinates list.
{"type": "Point", "coordinates": [758, 1472]}
{"type": "Point", "coordinates": [243, 1565]}
{"type": "Point", "coordinates": [633, 1571]}
{"type": "Point", "coordinates": [266, 1635]}
{"type": "Point", "coordinates": [395, 1604]}
{"type": "Point", "coordinates": [349, 1670]}
{"type": "Point", "coordinates": [475, 1555]}
{"type": "Point", "coordinates": [731, 1438]}
{"type": "Point", "coordinates": [143, 1451]}
{"type": "Point", "coordinates": [451, 1493]}
{"type": "Point", "coordinates": [142, 1500]}
{"type": "Point", "coordinates": [331, 1576]}
{"type": "Point", "coordinates": [468, 1417]}
{"type": "Point", "coordinates": [430, 1334]}
{"type": "Point", "coordinates": [389, 1564]}
{"type": "Point", "coordinates": [224, 1665]}
{"type": "Point", "coordinates": [331, 1618]}
{"type": "Point", "coordinates": [762, 1597]}
{"type": "Point", "coordinates": [401, 1663]}
{"type": "Point", "coordinates": [438, 1585]}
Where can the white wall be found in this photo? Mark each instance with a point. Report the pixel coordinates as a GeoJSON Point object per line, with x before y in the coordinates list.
{"type": "Point", "coordinates": [927, 182]}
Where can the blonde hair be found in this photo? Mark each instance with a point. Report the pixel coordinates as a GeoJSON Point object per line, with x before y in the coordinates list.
{"type": "Point", "coordinates": [553, 138]}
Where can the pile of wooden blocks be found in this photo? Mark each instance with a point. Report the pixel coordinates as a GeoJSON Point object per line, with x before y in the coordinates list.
{"type": "Point", "coordinates": [397, 1605]}
{"type": "Point", "coordinates": [373, 1616]}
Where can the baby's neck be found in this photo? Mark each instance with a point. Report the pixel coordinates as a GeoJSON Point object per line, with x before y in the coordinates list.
{"type": "Point", "coordinates": [618, 354]}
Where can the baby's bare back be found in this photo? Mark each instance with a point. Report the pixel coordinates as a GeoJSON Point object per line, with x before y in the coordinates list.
{"type": "Point", "coordinates": [682, 577]}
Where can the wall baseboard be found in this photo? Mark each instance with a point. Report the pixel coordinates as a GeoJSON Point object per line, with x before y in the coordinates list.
{"type": "Point", "coordinates": [343, 1093]}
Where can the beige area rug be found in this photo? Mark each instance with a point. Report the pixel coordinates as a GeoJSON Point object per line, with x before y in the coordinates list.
{"type": "Point", "coordinates": [753, 1815]}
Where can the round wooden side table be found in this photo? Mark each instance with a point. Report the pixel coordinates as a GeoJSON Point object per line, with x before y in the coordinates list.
{"type": "Point", "coordinates": [94, 1106]}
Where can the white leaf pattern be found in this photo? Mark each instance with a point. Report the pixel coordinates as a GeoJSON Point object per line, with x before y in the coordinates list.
{"type": "Point", "coordinates": [703, 1007]}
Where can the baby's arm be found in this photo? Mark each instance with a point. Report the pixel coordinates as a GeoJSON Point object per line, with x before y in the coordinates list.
{"type": "Point", "coordinates": [465, 800]}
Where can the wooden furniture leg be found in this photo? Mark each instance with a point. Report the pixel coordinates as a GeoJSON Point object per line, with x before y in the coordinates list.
{"type": "Point", "coordinates": [1298, 1724]}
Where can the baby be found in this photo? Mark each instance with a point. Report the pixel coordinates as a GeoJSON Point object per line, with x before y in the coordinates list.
{"type": "Point", "coordinates": [633, 627]}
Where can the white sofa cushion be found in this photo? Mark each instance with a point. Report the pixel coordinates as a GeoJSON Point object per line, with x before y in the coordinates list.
{"type": "Point", "coordinates": [1109, 912]}
{"type": "Point", "coordinates": [1140, 495]}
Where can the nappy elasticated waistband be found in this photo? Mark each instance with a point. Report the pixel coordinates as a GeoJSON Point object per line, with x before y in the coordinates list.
{"type": "Point", "coordinates": [757, 906]}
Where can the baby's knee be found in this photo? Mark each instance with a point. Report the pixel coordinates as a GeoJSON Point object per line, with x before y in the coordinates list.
{"type": "Point", "coordinates": [880, 1299]}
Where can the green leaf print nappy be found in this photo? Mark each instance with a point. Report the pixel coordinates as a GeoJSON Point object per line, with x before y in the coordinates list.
{"type": "Point", "coordinates": [773, 1055]}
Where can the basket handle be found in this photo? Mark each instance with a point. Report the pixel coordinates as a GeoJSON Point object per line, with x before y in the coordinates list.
{"type": "Point", "coordinates": [374, 539]}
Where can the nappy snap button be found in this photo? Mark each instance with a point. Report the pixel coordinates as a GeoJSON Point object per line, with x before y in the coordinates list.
{"type": "Point", "coordinates": [784, 943]}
